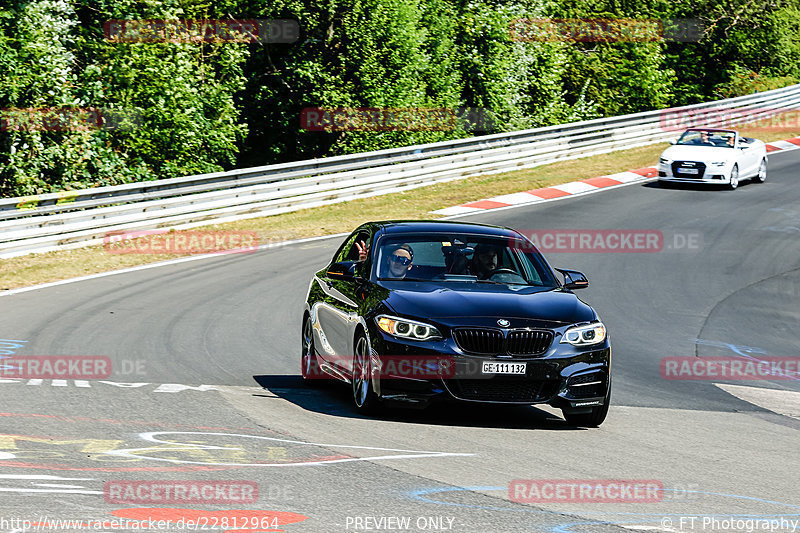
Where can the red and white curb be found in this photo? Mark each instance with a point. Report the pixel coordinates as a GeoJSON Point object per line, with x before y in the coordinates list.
{"type": "Point", "coordinates": [788, 144]}
{"type": "Point", "coordinates": [574, 188]}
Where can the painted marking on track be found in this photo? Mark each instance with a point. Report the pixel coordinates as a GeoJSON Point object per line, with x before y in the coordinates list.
{"type": "Point", "coordinates": [50, 491]}
{"type": "Point", "coordinates": [84, 384]}
{"type": "Point", "coordinates": [422, 496]}
{"type": "Point", "coordinates": [744, 351]}
{"type": "Point", "coordinates": [56, 485]}
{"type": "Point", "coordinates": [74, 419]}
{"type": "Point", "coordinates": [140, 453]}
{"type": "Point", "coordinates": [740, 349]}
{"type": "Point", "coordinates": [44, 477]}
{"type": "Point", "coordinates": [604, 517]}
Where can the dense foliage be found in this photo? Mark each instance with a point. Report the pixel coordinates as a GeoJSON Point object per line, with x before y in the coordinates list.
{"type": "Point", "coordinates": [179, 108]}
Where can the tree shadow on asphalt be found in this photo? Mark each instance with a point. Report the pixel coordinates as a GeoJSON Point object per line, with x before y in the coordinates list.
{"type": "Point", "coordinates": [335, 399]}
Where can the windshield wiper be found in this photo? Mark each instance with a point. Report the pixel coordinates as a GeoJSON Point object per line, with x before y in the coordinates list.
{"type": "Point", "coordinates": [505, 282]}
{"type": "Point", "coordinates": [403, 279]}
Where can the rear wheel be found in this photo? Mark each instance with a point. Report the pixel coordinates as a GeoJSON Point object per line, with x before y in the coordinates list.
{"type": "Point", "coordinates": [734, 178]}
{"type": "Point", "coordinates": [761, 177]}
{"type": "Point", "coordinates": [364, 397]}
{"type": "Point", "coordinates": [309, 367]}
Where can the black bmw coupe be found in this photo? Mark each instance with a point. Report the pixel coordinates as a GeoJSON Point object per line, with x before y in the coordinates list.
{"type": "Point", "coordinates": [416, 311]}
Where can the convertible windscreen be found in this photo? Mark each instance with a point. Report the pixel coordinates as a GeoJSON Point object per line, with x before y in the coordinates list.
{"type": "Point", "coordinates": [720, 139]}
{"type": "Point", "coordinates": [466, 258]}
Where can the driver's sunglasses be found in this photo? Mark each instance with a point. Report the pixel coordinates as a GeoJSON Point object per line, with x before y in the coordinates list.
{"type": "Point", "coordinates": [400, 260]}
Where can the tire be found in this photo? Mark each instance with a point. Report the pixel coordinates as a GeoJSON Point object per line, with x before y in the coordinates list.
{"type": "Point", "coordinates": [761, 176]}
{"type": "Point", "coordinates": [364, 398]}
{"type": "Point", "coordinates": [734, 178]}
{"type": "Point", "coordinates": [594, 418]}
{"type": "Point", "coordinates": [309, 366]}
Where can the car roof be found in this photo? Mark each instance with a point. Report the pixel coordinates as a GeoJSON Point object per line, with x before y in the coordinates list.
{"type": "Point", "coordinates": [712, 129]}
{"type": "Point", "coordinates": [444, 226]}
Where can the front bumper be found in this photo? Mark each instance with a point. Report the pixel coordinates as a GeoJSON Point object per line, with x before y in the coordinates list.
{"type": "Point", "coordinates": [564, 376]}
{"type": "Point", "coordinates": [711, 174]}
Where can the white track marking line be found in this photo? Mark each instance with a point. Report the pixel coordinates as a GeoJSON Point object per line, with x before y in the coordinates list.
{"type": "Point", "coordinates": [44, 477]}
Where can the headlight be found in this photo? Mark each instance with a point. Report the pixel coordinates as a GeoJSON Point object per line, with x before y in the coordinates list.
{"type": "Point", "coordinates": [407, 329]}
{"type": "Point", "coordinates": [587, 335]}
{"type": "Point", "coordinates": [663, 160]}
{"type": "Point", "coordinates": [719, 163]}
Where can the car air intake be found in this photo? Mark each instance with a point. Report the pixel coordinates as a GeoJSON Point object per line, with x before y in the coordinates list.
{"type": "Point", "coordinates": [485, 341]}
{"type": "Point", "coordinates": [688, 169]}
{"type": "Point", "coordinates": [503, 390]}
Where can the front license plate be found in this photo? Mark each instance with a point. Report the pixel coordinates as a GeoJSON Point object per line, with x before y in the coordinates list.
{"type": "Point", "coordinates": [503, 368]}
{"type": "Point", "coordinates": [687, 171]}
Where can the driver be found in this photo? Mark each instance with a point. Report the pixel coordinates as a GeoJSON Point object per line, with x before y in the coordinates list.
{"type": "Point", "coordinates": [704, 139]}
{"type": "Point", "coordinates": [484, 260]}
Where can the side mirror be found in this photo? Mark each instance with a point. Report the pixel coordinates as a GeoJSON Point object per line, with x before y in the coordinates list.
{"type": "Point", "coordinates": [673, 141]}
{"type": "Point", "coordinates": [573, 279]}
{"type": "Point", "coordinates": [744, 146]}
{"type": "Point", "coordinates": [345, 270]}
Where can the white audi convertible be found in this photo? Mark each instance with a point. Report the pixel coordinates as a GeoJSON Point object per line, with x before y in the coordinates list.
{"type": "Point", "coordinates": [714, 156]}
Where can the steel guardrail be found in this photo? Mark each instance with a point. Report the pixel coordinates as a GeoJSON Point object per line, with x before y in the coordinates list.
{"type": "Point", "coordinates": [78, 218]}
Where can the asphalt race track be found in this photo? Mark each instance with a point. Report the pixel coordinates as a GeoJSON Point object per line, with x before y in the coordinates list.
{"type": "Point", "coordinates": [205, 387]}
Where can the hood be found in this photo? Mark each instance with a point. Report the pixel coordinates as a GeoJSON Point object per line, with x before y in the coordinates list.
{"type": "Point", "coordinates": [698, 153]}
{"type": "Point", "coordinates": [424, 300]}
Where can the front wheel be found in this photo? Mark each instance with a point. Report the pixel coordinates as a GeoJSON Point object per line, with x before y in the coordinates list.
{"type": "Point", "coordinates": [734, 178]}
{"type": "Point", "coordinates": [364, 397]}
{"type": "Point", "coordinates": [761, 177]}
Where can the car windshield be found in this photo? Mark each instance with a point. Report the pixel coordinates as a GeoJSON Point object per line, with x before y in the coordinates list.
{"type": "Point", "coordinates": [466, 258]}
{"type": "Point", "coordinates": [721, 139]}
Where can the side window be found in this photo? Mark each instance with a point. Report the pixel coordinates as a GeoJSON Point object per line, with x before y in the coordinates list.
{"type": "Point", "coordinates": [349, 251]}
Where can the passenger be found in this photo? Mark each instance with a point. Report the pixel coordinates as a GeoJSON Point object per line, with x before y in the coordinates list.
{"type": "Point", "coordinates": [399, 260]}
